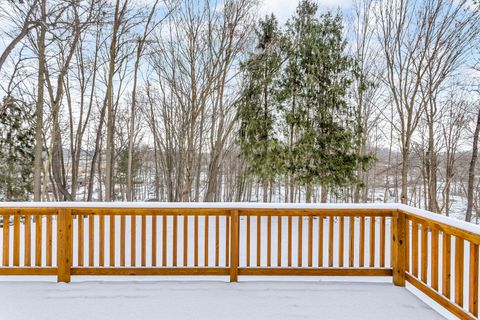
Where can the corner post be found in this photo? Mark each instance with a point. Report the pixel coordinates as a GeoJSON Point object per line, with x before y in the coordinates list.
{"type": "Point", "coordinates": [399, 249]}
{"type": "Point", "coordinates": [64, 244]}
{"type": "Point", "coordinates": [234, 246]}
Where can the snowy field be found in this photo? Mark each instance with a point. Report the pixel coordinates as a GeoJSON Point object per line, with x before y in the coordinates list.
{"type": "Point", "coordinates": [182, 300]}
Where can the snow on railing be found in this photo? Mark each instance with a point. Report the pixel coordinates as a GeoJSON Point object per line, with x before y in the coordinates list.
{"type": "Point", "coordinates": [424, 249]}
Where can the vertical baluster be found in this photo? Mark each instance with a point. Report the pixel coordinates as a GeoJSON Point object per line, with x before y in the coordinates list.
{"type": "Point", "coordinates": [434, 259]}
{"type": "Point", "coordinates": [16, 240]}
{"type": "Point", "coordinates": [91, 242]}
{"type": "Point", "coordinates": [6, 240]}
{"type": "Point", "coordinates": [38, 240]}
{"type": "Point", "coordinates": [206, 242]}
{"type": "Point", "coordinates": [122, 240]}
{"type": "Point", "coordinates": [259, 240]}
{"type": "Point", "coordinates": [300, 238]}
{"type": "Point", "coordinates": [415, 248]}
{"type": "Point", "coordinates": [310, 241]}
{"type": "Point", "coordinates": [102, 241]}
{"type": "Point", "coordinates": [279, 241]}
{"type": "Point", "coordinates": [361, 256]}
{"type": "Point", "coordinates": [227, 240]}
{"type": "Point", "coordinates": [195, 241]}
{"type": "Point", "coordinates": [28, 241]}
{"type": "Point", "coordinates": [459, 249]}
{"type": "Point", "coordinates": [248, 241]}
{"type": "Point", "coordinates": [185, 240]}
{"type": "Point", "coordinates": [341, 241]}
{"type": "Point", "coordinates": [144, 240]}
{"type": "Point", "coordinates": [235, 246]}
{"type": "Point", "coordinates": [331, 237]}
{"type": "Point", "coordinates": [269, 241]}
{"type": "Point", "coordinates": [80, 236]}
{"type": "Point", "coordinates": [48, 241]}
{"type": "Point", "coordinates": [164, 241]}
{"type": "Point", "coordinates": [382, 242]}
{"type": "Point", "coordinates": [473, 283]}
{"type": "Point", "coordinates": [154, 240]}
{"type": "Point", "coordinates": [424, 248]}
{"type": "Point", "coordinates": [446, 265]}
{"type": "Point", "coordinates": [407, 246]}
{"type": "Point", "coordinates": [133, 240]}
{"type": "Point", "coordinates": [217, 241]}
{"type": "Point", "coordinates": [174, 240]}
{"type": "Point", "coordinates": [372, 241]}
{"type": "Point", "coordinates": [289, 241]}
{"type": "Point", "coordinates": [320, 241]}
{"type": "Point", "coordinates": [112, 240]}
{"type": "Point", "coordinates": [351, 249]}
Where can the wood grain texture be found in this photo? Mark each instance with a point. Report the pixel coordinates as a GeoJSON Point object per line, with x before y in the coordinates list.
{"type": "Point", "coordinates": [133, 240]}
{"type": "Point", "coordinates": [424, 254]}
{"type": "Point", "coordinates": [444, 302]}
{"type": "Point", "coordinates": [80, 240]}
{"type": "Point", "coordinates": [459, 270]}
{"type": "Point", "coordinates": [415, 248]}
{"type": "Point", "coordinates": [112, 241]}
{"type": "Point", "coordinates": [6, 241]}
{"type": "Point", "coordinates": [361, 246]}
{"type": "Point", "coordinates": [234, 249]}
{"type": "Point", "coordinates": [259, 240]}
{"type": "Point", "coordinates": [48, 241]}
{"type": "Point", "coordinates": [351, 247]}
{"type": "Point", "coordinates": [64, 238]}
{"type": "Point", "coordinates": [91, 240]}
{"type": "Point", "coordinates": [38, 240]}
{"type": "Point", "coordinates": [154, 241]}
{"type": "Point", "coordinates": [399, 250]}
{"type": "Point", "coordinates": [372, 242]}
{"type": "Point", "coordinates": [383, 240]}
{"type": "Point", "coordinates": [28, 241]}
{"type": "Point", "coordinates": [122, 240]}
{"type": "Point", "coordinates": [16, 241]}
{"type": "Point", "coordinates": [473, 280]}
{"type": "Point", "coordinates": [144, 241]}
{"type": "Point", "coordinates": [331, 237]}
{"type": "Point", "coordinates": [446, 265]}
{"type": "Point", "coordinates": [434, 260]}
{"type": "Point", "coordinates": [279, 241]}
{"type": "Point", "coordinates": [300, 241]}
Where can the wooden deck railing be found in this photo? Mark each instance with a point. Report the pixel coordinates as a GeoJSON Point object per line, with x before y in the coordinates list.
{"type": "Point", "coordinates": [246, 240]}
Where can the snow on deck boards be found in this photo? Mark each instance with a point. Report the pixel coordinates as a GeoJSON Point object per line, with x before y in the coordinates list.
{"type": "Point", "coordinates": [179, 300]}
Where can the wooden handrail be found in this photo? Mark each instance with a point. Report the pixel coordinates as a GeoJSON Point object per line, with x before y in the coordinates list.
{"type": "Point", "coordinates": [241, 239]}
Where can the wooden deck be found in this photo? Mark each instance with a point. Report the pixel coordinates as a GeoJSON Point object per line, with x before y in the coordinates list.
{"type": "Point", "coordinates": [436, 255]}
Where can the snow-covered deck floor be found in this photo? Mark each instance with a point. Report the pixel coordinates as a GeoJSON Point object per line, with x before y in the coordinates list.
{"type": "Point", "coordinates": [179, 300]}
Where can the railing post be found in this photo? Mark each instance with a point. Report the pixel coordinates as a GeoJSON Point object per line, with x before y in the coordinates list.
{"type": "Point", "coordinates": [234, 246]}
{"type": "Point", "coordinates": [399, 249]}
{"type": "Point", "coordinates": [64, 244]}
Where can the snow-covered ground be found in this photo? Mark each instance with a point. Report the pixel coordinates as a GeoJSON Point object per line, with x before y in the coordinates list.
{"type": "Point", "coordinates": [209, 300]}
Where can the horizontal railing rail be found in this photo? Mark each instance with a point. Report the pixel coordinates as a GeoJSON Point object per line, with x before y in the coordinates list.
{"type": "Point", "coordinates": [437, 255]}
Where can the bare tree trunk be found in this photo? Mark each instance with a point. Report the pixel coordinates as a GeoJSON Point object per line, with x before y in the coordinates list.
{"type": "Point", "coordinates": [471, 170]}
{"type": "Point", "coordinates": [37, 180]}
{"type": "Point", "coordinates": [110, 110]}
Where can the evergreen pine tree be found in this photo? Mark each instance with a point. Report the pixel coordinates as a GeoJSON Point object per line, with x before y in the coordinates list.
{"type": "Point", "coordinates": [17, 140]}
{"type": "Point", "coordinates": [318, 117]}
{"type": "Point", "coordinates": [258, 109]}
